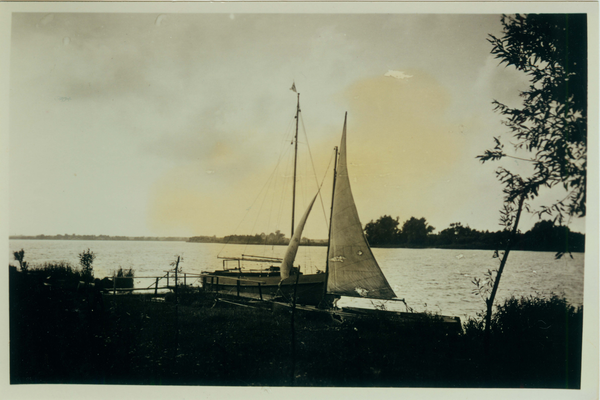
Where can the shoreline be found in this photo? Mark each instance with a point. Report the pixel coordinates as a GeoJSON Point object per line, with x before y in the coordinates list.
{"type": "Point", "coordinates": [186, 240]}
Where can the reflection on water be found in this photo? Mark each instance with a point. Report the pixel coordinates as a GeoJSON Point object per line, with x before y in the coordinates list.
{"type": "Point", "coordinates": [432, 280]}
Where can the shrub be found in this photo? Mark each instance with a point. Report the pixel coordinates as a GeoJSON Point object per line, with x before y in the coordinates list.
{"type": "Point", "coordinates": [56, 271]}
{"type": "Point", "coordinates": [86, 258]}
{"type": "Point", "coordinates": [535, 342]}
{"type": "Point", "coordinates": [19, 256]}
{"type": "Point", "coordinates": [124, 278]}
{"type": "Point", "coordinates": [125, 273]}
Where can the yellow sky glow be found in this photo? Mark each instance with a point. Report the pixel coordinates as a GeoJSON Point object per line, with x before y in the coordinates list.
{"type": "Point", "coordinates": [399, 143]}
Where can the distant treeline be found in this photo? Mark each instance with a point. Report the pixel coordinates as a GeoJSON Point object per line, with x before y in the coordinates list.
{"type": "Point", "coordinates": [544, 236]}
{"type": "Point", "coordinates": [386, 232]}
{"type": "Point", "coordinates": [99, 237]}
{"type": "Point", "coordinates": [274, 238]}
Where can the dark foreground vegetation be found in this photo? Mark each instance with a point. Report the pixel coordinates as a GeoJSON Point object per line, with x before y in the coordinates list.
{"type": "Point", "coordinates": [63, 334]}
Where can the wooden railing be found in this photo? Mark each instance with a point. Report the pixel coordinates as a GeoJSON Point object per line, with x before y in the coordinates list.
{"type": "Point", "coordinates": [214, 283]}
{"type": "Point", "coordinates": [154, 285]}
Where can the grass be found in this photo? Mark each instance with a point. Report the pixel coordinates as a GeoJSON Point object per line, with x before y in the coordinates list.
{"type": "Point", "coordinates": [57, 271]}
{"type": "Point", "coordinates": [131, 339]}
{"type": "Point", "coordinates": [125, 273]}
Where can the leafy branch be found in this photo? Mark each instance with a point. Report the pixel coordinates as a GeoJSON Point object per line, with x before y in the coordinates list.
{"type": "Point", "coordinates": [550, 126]}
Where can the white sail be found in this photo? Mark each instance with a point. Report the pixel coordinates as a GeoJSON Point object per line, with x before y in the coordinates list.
{"type": "Point", "coordinates": [290, 254]}
{"type": "Point", "coordinates": [353, 270]}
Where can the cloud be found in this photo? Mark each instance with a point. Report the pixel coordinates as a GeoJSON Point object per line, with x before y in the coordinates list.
{"type": "Point", "coordinates": [397, 74]}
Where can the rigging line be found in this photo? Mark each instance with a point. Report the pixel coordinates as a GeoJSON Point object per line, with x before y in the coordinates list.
{"type": "Point", "coordinates": [274, 186]}
{"type": "Point", "coordinates": [283, 155]}
{"type": "Point", "coordinates": [284, 194]}
{"type": "Point", "coordinates": [266, 184]}
{"type": "Point", "coordinates": [283, 152]}
{"type": "Point", "coordinates": [261, 207]}
{"type": "Point", "coordinates": [307, 255]}
{"type": "Point", "coordinates": [315, 171]}
{"type": "Point", "coordinates": [326, 171]}
{"type": "Point", "coordinates": [323, 180]}
{"type": "Point", "coordinates": [278, 186]}
{"type": "Point", "coordinates": [246, 214]}
{"type": "Point", "coordinates": [284, 149]}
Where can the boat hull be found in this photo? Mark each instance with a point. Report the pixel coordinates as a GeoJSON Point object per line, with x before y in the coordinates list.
{"type": "Point", "coordinates": [309, 289]}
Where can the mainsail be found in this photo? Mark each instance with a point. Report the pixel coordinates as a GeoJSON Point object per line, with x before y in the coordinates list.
{"type": "Point", "coordinates": [353, 270]}
{"type": "Point", "coordinates": [290, 254]}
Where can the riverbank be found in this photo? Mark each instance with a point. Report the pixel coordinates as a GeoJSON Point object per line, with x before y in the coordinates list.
{"type": "Point", "coordinates": [61, 335]}
{"type": "Point", "coordinates": [580, 248]}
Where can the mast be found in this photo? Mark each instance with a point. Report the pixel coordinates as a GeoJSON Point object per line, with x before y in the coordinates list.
{"type": "Point", "coordinates": [330, 216]}
{"type": "Point", "coordinates": [295, 162]}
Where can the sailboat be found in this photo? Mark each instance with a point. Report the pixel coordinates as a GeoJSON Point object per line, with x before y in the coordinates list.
{"type": "Point", "coordinates": [280, 280]}
{"type": "Point", "coordinates": [351, 268]}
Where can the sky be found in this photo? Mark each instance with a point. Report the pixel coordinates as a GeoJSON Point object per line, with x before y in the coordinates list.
{"type": "Point", "coordinates": [149, 124]}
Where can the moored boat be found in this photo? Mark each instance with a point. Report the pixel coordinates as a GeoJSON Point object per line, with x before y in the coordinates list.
{"type": "Point", "coordinates": [279, 280]}
{"type": "Point", "coordinates": [351, 267]}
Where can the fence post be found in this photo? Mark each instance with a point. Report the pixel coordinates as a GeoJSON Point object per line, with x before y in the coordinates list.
{"type": "Point", "coordinates": [238, 288]}
{"type": "Point", "coordinates": [156, 287]}
{"type": "Point", "coordinates": [114, 285]}
{"type": "Point", "coordinates": [176, 310]}
{"type": "Point", "coordinates": [167, 279]}
{"type": "Point", "coordinates": [184, 279]}
{"type": "Point", "coordinates": [176, 268]}
{"type": "Point", "coordinates": [294, 329]}
{"type": "Point", "coordinates": [260, 290]}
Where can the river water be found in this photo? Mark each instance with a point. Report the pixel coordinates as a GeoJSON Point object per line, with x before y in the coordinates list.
{"type": "Point", "coordinates": [434, 280]}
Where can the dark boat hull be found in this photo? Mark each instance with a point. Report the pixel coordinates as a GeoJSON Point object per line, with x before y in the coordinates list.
{"type": "Point", "coordinates": [309, 289]}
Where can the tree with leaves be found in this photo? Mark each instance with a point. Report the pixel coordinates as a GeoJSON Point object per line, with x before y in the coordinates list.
{"type": "Point", "coordinates": [384, 231]}
{"type": "Point", "coordinates": [546, 236]}
{"type": "Point", "coordinates": [20, 256]}
{"type": "Point", "coordinates": [456, 234]}
{"type": "Point", "coordinates": [549, 129]}
{"type": "Point", "coordinates": [415, 231]}
{"type": "Point", "coordinates": [86, 258]}
{"type": "Point", "coordinates": [551, 125]}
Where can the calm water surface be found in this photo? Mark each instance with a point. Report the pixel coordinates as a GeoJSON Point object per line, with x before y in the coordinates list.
{"type": "Point", "coordinates": [428, 279]}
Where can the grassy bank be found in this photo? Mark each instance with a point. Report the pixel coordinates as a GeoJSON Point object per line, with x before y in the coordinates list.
{"type": "Point", "coordinates": [62, 335]}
